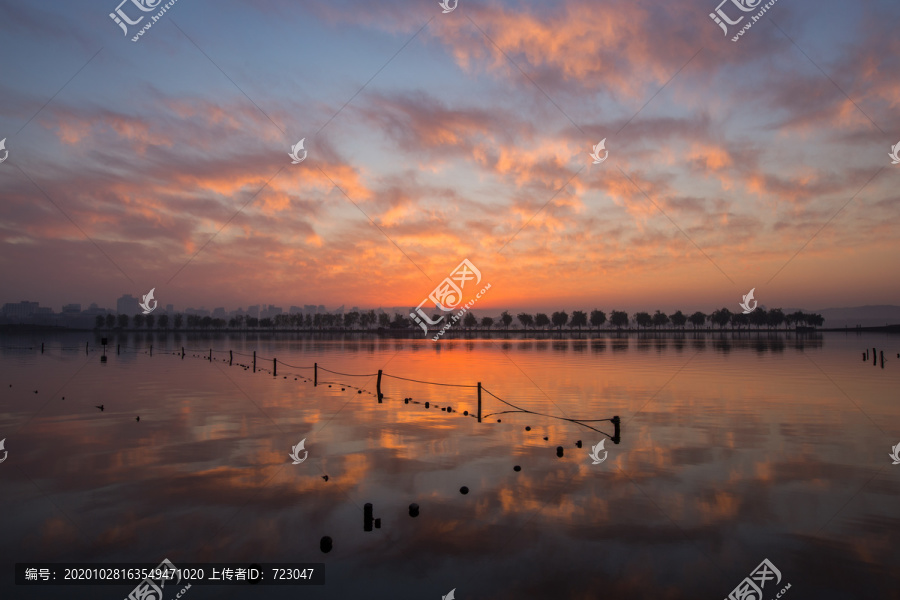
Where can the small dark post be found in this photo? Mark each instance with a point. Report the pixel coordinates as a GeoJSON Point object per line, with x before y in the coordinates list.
{"type": "Point", "coordinates": [367, 516]}
{"type": "Point", "coordinates": [615, 421]}
{"type": "Point", "coordinates": [864, 356]}
{"type": "Point", "coordinates": [479, 402]}
{"type": "Point", "coordinates": [117, 349]}
{"type": "Point", "coordinates": [315, 374]}
{"type": "Point", "coordinates": [274, 367]}
{"type": "Point", "coordinates": [378, 387]}
{"type": "Point", "coordinates": [42, 347]}
{"type": "Point", "coordinates": [874, 357]}
{"type": "Point", "coordinates": [151, 349]}
{"type": "Point", "coordinates": [254, 361]}
{"type": "Point", "coordinates": [85, 347]}
{"type": "Point", "coordinates": [182, 352]}
{"type": "Point", "coordinates": [230, 357]}
{"type": "Point", "coordinates": [882, 359]}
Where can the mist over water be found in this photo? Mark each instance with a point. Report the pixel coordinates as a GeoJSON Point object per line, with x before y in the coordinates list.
{"type": "Point", "coordinates": [734, 448]}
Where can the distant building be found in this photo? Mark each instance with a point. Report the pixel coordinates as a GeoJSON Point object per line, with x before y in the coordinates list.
{"type": "Point", "coordinates": [128, 305]}
{"type": "Point", "coordinates": [253, 311]}
{"type": "Point", "coordinates": [20, 309]}
{"type": "Point", "coordinates": [170, 309]}
{"type": "Point", "coordinates": [309, 309]}
{"type": "Point", "coordinates": [93, 309]}
{"type": "Point", "coordinates": [218, 313]}
{"type": "Point", "coordinates": [295, 310]}
{"type": "Point", "coordinates": [70, 309]}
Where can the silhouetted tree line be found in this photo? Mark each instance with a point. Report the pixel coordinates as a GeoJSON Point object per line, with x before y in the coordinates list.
{"type": "Point", "coordinates": [773, 318]}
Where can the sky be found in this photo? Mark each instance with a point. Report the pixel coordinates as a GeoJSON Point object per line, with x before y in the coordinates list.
{"type": "Point", "coordinates": [432, 138]}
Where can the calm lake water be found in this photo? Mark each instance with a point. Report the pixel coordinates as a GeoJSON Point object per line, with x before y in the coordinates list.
{"type": "Point", "coordinates": [734, 449]}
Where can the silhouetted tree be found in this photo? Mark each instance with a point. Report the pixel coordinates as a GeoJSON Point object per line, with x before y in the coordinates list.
{"type": "Point", "coordinates": [138, 321]}
{"type": "Point", "coordinates": [384, 320]}
{"type": "Point", "coordinates": [775, 317]}
{"type": "Point", "coordinates": [110, 320]}
{"type": "Point", "coordinates": [179, 319]}
{"type": "Point", "coordinates": [525, 319]}
{"type": "Point", "coordinates": [252, 322]}
{"type": "Point", "coordinates": [817, 320]}
{"type": "Point", "coordinates": [351, 319]}
{"type": "Point", "coordinates": [598, 318]}
{"type": "Point", "coordinates": [163, 321]}
{"type": "Point", "coordinates": [398, 321]}
{"type": "Point", "coordinates": [643, 319]}
{"type": "Point", "coordinates": [150, 320]}
{"type": "Point", "coordinates": [470, 321]}
{"type": "Point", "coordinates": [265, 323]}
{"type": "Point", "coordinates": [698, 319]}
{"type": "Point", "coordinates": [206, 322]}
{"type": "Point", "coordinates": [487, 322]}
{"type": "Point", "coordinates": [579, 319]}
{"type": "Point", "coordinates": [308, 321]}
{"type": "Point", "coordinates": [721, 317]}
{"type": "Point", "coordinates": [218, 323]}
{"type": "Point", "coordinates": [99, 321]}
{"type": "Point", "coordinates": [618, 319]}
{"type": "Point", "coordinates": [759, 318]}
{"type": "Point", "coordinates": [122, 321]}
{"type": "Point", "coordinates": [541, 320]}
{"type": "Point", "coordinates": [559, 319]}
{"type": "Point", "coordinates": [660, 319]}
{"type": "Point", "coordinates": [739, 320]}
{"type": "Point", "coordinates": [678, 319]}
{"type": "Point", "coordinates": [506, 318]}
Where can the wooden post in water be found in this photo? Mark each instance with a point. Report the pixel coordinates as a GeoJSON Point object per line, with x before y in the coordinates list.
{"type": "Point", "coordinates": [615, 421]}
{"type": "Point", "coordinates": [882, 359]}
{"type": "Point", "coordinates": [117, 349]}
{"type": "Point", "coordinates": [274, 367]}
{"type": "Point", "coordinates": [230, 357]}
{"type": "Point", "coordinates": [85, 347]}
{"type": "Point", "coordinates": [254, 361]}
{"type": "Point", "coordinates": [151, 349]}
{"type": "Point", "coordinates": [479, 402]}
{"type": "Point", "coordinates": [182, 352]}
{"type": "Point", "coordinates": [210, 355]}
{"type": "Point", "coordinates": [42, 347]}
{"type": "Point", "coordinates": [874, 357]}
{"type": "Point", "coordinates": [315, 374]}
{"type": "Point", "coordinates": [378, 387]}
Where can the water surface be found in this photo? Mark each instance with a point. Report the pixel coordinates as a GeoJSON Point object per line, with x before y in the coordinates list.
{"type": "Point", "coordinates": [734, 448]}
